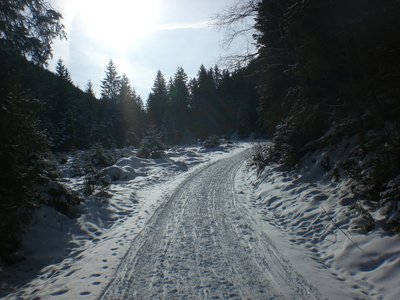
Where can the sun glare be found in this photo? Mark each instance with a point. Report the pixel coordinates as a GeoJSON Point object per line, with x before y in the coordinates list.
{"type": "Point", "coordinates": [118, 23]}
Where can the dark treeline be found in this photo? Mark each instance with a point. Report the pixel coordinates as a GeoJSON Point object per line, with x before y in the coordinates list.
{"type": "Point", "coordinates": [321, 61]}
{"type": "Point", "coordinates": [182, 109]}
{"type": "Point", "coordinates": [213, 103]}
{"type": "Point", "coordinates": [327, 72]}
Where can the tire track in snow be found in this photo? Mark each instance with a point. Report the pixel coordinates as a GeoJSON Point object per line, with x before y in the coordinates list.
{"type": "Point", "coordinates": [202, 244]}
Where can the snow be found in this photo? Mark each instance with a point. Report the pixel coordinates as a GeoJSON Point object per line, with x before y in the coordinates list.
{"type": "Point", "coordinates": [311, 211]}
{"type": "Point", "coordinates": [203, 244]}
{"type": "Point", "coordinates": [76, 258]}
{"type": "Point", "coordinates": [307, 215]}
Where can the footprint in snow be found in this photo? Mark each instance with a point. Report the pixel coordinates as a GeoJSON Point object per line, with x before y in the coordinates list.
{"type": "Point", "coordinates": [70, 273]}
{"type": "Point", "coordinates": [66, 267]}
{"type": "Point", "coordinates": [58, 293]}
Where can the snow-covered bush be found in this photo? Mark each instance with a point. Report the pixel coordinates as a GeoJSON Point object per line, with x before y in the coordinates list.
{"type": "Point", "coordinates": [152, 146]}
{"type": "Point", "coordinates": [61, 198]}
{"type": "Point", "coordinates": [363, 222]}
{"type": "Point", "coordinates": [98, 156]}
{"type": "Point", "coordinates": [89, 185]}
{"type": "Point", "coordinates": [91, 160]}
{"type": "Point", "coordinates": [211, 142]}
{"type": "Point", "coordinates": [390, 203]}
{"type": "Point", "coordinates": [261, 156]}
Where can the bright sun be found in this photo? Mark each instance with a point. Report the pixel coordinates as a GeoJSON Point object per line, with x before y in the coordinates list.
{"type": "Point", "coordinates": [118, 23]}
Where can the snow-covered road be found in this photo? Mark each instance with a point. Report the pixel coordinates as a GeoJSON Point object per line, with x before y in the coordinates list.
{"type": "Point", "coordinates": [202, 243]}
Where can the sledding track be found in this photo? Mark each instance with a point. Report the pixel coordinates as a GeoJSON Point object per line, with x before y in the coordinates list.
{"type": "Point", "coordinates": [203, 244]}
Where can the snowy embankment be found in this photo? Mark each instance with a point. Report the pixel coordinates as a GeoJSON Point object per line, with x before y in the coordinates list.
{"type": "Point", "coordinates": [76, 258]}
{"type": "Point", "coordinates": [307, 212]}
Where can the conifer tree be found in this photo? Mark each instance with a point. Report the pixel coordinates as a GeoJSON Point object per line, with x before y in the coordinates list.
{"type": "Point", "coordinates": [28, 27]}
{"type": "Point", "coordinates": [110, 85]}
{"type": "Point", "coordinates": [62, 71]}
{"type": "Point", "coordinates": [157, 103]}
{"type": "Point", "coordinates": [90, 90]}
{"type": "Point", "coordinates": [203, 102]}
{"type": "Point", "coordinates": [217, 76]}
{"type": "Point", "coordinates": [128, 113]}
{"type": "Point", "coordinates": [179, 105]}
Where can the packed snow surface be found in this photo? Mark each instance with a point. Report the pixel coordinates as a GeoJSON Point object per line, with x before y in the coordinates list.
{"type": "Point", "coordinates": [202, 244]}
{"type": "Point", "coordinates": [201, 224]}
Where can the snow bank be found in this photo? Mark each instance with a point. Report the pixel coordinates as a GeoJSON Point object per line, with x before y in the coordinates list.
{"type": "Point", "coordinates": [316, 214]}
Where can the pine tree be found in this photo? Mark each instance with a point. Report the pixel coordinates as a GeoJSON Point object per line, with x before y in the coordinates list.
{"type": "Point", "coordinates": [128, 114]}
{"type": "Point", "coordinates": [90, 90]}
{"type": "Point", "coordinates": [179, 105]}
{"type": "Point", "coordinates": [157, 103]}
{"type": "Point", "coordinates": [62, 71]}
{"type": "Point", "coordinates": [204, 101]}
{"type": "Point", "coordinates": [217, 76]}
{"type": "Point", "coordinates": [110, 85]}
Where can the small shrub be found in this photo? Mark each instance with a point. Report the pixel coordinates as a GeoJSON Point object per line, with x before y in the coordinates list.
{"type": "Point", "coordinates": [61, 198]}
{"type": "Point", "coordinates": [99, 157]}
{"type": "Point", "coordinates": [152, 146]}
{"type": "Point", "coordinates": [89, 185]}
{"type": "Point", "coordinates": [261, 156]}
{"type": "Point", "coordinates": [364, 223]}
{"type": "Point", "coordinates": [211, 142]}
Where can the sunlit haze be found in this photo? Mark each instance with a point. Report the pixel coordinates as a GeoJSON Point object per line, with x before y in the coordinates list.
{"type": "Point", "coordinates": [118, 23]}
{"type": "Point", "coordinates": [140, 36]}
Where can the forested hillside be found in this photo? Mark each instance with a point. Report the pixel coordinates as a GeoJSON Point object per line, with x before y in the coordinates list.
{"type": "Point", "coordinates": [328, 78]}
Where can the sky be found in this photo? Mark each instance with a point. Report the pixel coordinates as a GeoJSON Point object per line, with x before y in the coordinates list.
{"type": "Point", "coordinates": [140, 36]}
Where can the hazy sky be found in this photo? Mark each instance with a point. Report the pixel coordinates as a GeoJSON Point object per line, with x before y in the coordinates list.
{"type": "Point", "coordinates": [141, 36]}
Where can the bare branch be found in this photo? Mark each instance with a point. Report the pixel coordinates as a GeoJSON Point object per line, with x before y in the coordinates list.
{"type": "Point", "coordinates": [237, 61]}
{"type": "Point", "coordinates": [238, 23]}
{"type": "Point", "coordinates": [236, 13]}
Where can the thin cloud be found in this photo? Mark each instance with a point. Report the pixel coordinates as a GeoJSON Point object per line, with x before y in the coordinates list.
{"type": "Point", "coordinates": [176, 26]}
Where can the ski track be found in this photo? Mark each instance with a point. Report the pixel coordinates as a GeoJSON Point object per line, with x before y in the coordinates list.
{"type": "Point", "coordinates": [204, 244]}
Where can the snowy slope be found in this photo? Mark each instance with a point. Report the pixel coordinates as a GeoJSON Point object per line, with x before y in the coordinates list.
{"type": "Point", "coordinates": [76, 258]}
{"type": "Point", "coordinates": [316, 216]}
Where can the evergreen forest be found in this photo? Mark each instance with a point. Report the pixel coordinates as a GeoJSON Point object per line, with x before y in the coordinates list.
{"type": "Point", "coordinates": [324, 73]}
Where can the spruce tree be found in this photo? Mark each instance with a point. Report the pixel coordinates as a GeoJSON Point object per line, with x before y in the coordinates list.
{"type": "Point", "coordinates": [179, 105]}
{"type": "Point", "coordinates": [128, 113]}
{"type": "Point", "coordinates": [62, 71]}
{"type": "Point", "coordinates": [23, 146]}
{"type": "Point", "coordinates": [110, 85]}
{"type": "Point", "coordinates": [90, 90]}
{"type": "Point", "coordinates": [28, 28]}
{"type": "Point", "coordinates": [204, 103]}
{"type": "Point", "coordinates": [157, 103]}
